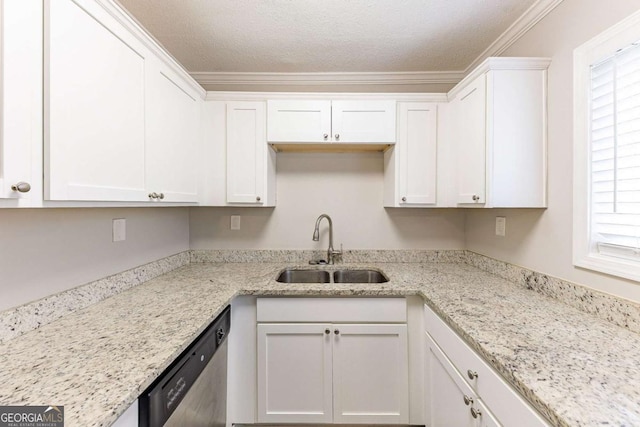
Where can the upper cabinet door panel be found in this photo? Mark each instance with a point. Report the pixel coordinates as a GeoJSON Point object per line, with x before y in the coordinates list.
{"type": "Point", "coordinates": [299, 121]}
{"type": "Point", "coordinates": [172, 139]}
{"type": "Point", "coordinates": [246, 151]}
{"type": "Point", "coordinates": [20, 99]}
{"type": "Point", "coordinates": [417, 150]}
{"type": "Point", "coordinates": [94, 105]}
{"type": "Point", "coordinates": [471, 110]}
{"type": "Point", "coordinates": [364, 121]}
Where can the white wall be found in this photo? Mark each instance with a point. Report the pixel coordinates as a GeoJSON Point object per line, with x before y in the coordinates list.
{"type": "Point", "coordinates": [348, 187]}
{"type": "Point", "coordinates": [541, 240]}
{"type": "Point", "coordinates": [45, 251]}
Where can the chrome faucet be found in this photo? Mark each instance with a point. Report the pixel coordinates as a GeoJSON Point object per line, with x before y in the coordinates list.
{"type": "Point", "coordinates": [331, 253]}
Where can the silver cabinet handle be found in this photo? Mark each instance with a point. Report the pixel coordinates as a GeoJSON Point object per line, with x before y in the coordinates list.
{"type": "Point", "coordinates": [161, 196]}
{"type": "Point", "coordinates": [258, 199]}
{"type": "Point", "coordinates": [21, 187]}
{"type": "Point", "coordinates": [472, 374]}
{"type": "Point", "coordinates": [468, 400]}
{"type": "Point", "coordinates": [337, 135]}
{"type": "Point", "coordinates": [326, 136]}
{"type": "Point", "coordinates": [153, 195]}
{"type": "Point", "coordinates": [475, 198]}
{"type": "Point", "coordinates": [475, 413]}
{"type": "Point", "coordinates": [404, 199]}
{"type": "Point", "coordinates": [337, 332]}
{"type": "Point", "coordinates": [327, 331]}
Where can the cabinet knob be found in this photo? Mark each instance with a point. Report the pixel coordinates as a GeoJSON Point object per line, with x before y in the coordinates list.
{"type": "Point", "coordinates": [468, 400]}
{"type": "Point", "coordinates": [153, 195]}
{"type": "Point", "coordinates": [472, 374]}
{"type": "Point", "coordinates": [475, 198]}
{"type": "Point", "coordinates": [326, 136]}
{"type": "Point", "coordinates": [337, 136]}
{"type": "Point", "coordinates": [337, 332]}
{"type": "Point", "coordinates": [258, 199]}
{"type": "Point", "coordinates": [161, 196]}
{"type": "Point", "coordinates": [22, 187]}
{"type": "Point", "coordinates": [327, 331]}
{"type": "Point", "coordinates": [404, 199]}
{"type": "Point", "coordinates": [475, 413]}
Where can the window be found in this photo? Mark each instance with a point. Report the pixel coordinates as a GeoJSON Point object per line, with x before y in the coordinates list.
{"type": "Point", "coordinates": [607, 151]}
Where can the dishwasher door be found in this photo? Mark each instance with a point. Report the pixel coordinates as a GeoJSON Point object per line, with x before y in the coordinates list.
{"type": "Point", "coordinates": [192, 392]}
{"type": "Point", "coordinates": [205, 405]}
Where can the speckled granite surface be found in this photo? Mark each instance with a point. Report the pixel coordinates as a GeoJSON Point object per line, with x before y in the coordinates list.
{"type": "Point", "coordinates": [17, 321]}
{"type": "Point", "coordinates": [619, 311]}
{"type": "Point", "coordinates": [576, 369]}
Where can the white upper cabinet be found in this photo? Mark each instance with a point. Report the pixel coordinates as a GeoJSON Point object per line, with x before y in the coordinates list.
{"type": "Point", "coordinates": [20, 102]}
{"type": "Point", "coordinates": [410, 165]}
{"type": "Point", "coordinates": [299, 121]}
{"type": "Point", "coordinates": [470, 130]}
{"type": "Point", "coordinates": [498, 128]}
{"type": "Point", "coordinates": [94, 105]}
{"type": "Point", "coordinates": [250, 160]}
{"type": "Point", "coordinates": [366, 122]}
{"type": "Point", "coordinates": [320, 121]}
{"type": "Point", "coordinates": [120, 123]}
{"type": "Point", "coordinates": [173, 144]}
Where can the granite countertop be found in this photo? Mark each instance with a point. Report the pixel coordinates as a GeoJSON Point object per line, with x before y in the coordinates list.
{"type": "Point", "coordinates": [574, 368]}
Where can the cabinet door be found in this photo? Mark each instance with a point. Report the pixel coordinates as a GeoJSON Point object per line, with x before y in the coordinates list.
{"type": "Point", "coordinates": [94, 105]}
{"type": "Point", "coordinates": [299, 121]}
{"type": "Point", "coordinates": [446, 393]}
{"type": "Point", "coordinates": [370, 374]}
{"type": "Point", "coordinates": [363, 121]}
{"type": "Point", "coordinates": [247, 154]}
{"type": "Point", "coordinates": [294, 373]}
{"type": "Point", "coordinates": [172, 142]}
{"type": "Point", "coordinates": [20, 99]}
{"type": "Point", "coordinates": [416, 148]}
{"type": "Point", "coordinates": [470, 110]}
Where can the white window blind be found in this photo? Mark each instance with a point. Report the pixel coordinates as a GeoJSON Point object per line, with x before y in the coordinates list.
{"type": "Point", "coordinates": [615, 155]}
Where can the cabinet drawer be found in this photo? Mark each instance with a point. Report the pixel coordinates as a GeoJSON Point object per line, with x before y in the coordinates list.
{"type": "Point", "coordinates": [504, 401]}
{"type": "Point", "coordinates": [381, 310]}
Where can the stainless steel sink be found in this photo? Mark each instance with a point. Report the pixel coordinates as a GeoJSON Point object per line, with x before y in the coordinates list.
{"type": "Point", "coordinates": [304, 276]}
{"type": "Point", "coordinates": [359, 276]}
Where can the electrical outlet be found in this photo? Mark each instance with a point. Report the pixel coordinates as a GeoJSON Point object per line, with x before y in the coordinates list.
{"type": "Point", "coordinates": [501, 226]}
{"type": "Point", "coordinates": [235, 222]}
{"type": "Point", "coordinates": [119, 230]}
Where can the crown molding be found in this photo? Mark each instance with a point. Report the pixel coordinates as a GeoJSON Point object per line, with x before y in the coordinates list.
{"type": "Point", "coordinates": [322, 79]}
{"type": "Point", "coordinates": [524, 23]}
{"type": "Point", "coordinates": [120, 14]}
{"type": "Point", "coordinates": [501, 63]}
{"type": "Point", "coordinates": [263, 96]}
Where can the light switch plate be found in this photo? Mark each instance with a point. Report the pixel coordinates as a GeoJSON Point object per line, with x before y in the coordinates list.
{"type": "Point", "coordinates": [235, 222]}
{"type": "Point", "coordinates": [501, 226]}
{"type": "Point", "coordinates": [119, 230]}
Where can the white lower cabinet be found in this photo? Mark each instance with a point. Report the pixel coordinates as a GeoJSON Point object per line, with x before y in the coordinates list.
{"type": "Point", "coordinates": [330, 372]}
{"type": "Point", "coordinates": [449, 399]}
{"type": "Point", "coordinates": [294, 373]}
{"type": "Point", "coordinates": [341, 373]}
{"type": "Point", "coordinates": [454, 373]}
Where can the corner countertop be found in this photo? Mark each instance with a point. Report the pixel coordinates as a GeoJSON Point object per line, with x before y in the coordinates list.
{"type": "Point", "coordinates": [574, 368]}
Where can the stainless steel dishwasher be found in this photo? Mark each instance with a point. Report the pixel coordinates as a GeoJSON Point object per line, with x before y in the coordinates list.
{"type": "Point", "coordinates": [192, 392]}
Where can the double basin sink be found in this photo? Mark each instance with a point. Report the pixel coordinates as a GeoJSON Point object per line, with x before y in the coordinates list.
{"type": "Point", "coordinates": [339, 276]}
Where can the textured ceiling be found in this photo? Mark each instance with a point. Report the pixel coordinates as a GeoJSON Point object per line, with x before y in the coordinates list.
{"type": "Point", "coordinates": [326, 35]}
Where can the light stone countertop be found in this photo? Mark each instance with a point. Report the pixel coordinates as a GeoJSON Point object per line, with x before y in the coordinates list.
{"type": "Point", "coordinates": [574, 368]}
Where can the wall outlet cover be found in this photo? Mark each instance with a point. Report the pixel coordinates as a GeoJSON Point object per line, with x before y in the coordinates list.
{"type": "Point", "coordinates": [235, 222]}
{"type": "Point", "coordinates": [501, 226]}
{"type": "Point", "coordinates": [119, 230]}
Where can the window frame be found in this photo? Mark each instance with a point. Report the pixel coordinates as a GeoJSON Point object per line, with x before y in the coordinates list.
{"type": "Point", "coordinates": [592, 52]}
